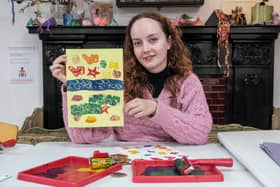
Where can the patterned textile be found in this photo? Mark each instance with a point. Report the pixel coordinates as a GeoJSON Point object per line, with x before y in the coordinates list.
{"type": "Point", "coordinates": [33, 133]}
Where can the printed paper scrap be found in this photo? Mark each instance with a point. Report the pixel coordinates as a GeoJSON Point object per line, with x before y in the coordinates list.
{"type": "Point", "coordinates": [151, 152]}
{"type": "Point", "coordinates": [95, 87]}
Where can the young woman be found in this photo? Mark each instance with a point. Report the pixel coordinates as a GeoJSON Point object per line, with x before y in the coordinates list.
{"type": "Point", "coordinates": [164, 99]}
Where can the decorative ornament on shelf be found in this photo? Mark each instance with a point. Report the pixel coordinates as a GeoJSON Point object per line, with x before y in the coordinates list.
{"type": "Point", "coordinates": [237, 17]}
{"type": "Point", "coordinates": [223, 29]}
{"type": "Point", "coordinates": [70, 12]}
{"type": "Point", "coordinates": [38, 16]}
{"type": "Point", "coordinates": [262, 13]}
{"type": "Point", "coordinates": [222, 21]}
{"type": "Point", "coordinates": [102, 13]}
{"type": "Point", "coordinates": [48, 23]}
{"type": "Point", "coordinates": [186, 20]}
{"type": "Point", "coordinates": [113, 22]}
{"type": "Point", "coordinates": [276, 18]}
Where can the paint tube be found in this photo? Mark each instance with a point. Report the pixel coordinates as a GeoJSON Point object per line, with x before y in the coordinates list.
{"type": "Point", "coordinates": [101, 163]}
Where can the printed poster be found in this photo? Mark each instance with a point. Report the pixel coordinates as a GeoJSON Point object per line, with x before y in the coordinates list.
{"type": "Point", "coordinates": [95, 87]}
{"type": "Point", "coordinates": [20, 62]}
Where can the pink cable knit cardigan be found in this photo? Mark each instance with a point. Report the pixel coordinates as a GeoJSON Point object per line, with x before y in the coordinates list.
{"type": "Point", "coordinates": [190, 124]}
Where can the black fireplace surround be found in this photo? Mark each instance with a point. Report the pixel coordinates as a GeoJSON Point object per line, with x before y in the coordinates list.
{"type": "Point", "coordinates": [248, 91]}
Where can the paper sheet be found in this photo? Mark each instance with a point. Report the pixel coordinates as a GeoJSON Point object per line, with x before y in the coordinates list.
{"type": "Point", "coordinates": [20, 62]}
{"type": "Point", "coordinates": [95, 87]}
{"type": "Point", "coordinates": [151, 152]}
{"type": "Point", "coordinates": [272, 150]}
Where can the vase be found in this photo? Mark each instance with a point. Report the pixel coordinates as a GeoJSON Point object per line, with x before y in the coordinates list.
{"type": "Point", "coordinates": [262, 14]}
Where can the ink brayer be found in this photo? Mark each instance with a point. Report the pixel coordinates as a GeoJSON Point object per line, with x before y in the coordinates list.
{"type": "Point", "coordinates": [183, 167]}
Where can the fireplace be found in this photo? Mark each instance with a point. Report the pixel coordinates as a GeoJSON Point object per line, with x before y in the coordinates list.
{"type": "Point", "coordinates": [215, 90]}
{"type": "Point", "coordinates": [246, 97]}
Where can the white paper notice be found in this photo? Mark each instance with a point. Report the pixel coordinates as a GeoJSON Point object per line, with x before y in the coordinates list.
{"type": "Point", "coordinates": [20, 62]}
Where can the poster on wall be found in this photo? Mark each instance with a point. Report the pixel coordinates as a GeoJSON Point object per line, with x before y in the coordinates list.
{"type": "Point", "coordinates": [20, 64]}
{"type": "Point", "coordinates": [95, 87]}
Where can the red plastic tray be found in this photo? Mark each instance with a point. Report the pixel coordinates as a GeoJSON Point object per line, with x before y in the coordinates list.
{"type": "Point", "coordinates": [211, 173]}
{"type": "Point", "coordinates": [9, 143]}
{"type": "Point", "coordinates": [65, 172]}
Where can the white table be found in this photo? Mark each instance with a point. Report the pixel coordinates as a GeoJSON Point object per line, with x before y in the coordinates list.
{"type": "Point", "coordinates": [245, 146]}
{"type": "Point", "coordinates": [8, 154]}
{"type": "Point", "coordinates": [46, 152]}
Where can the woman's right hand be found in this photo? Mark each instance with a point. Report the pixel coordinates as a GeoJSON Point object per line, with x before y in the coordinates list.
{"type": "Point", "coordinates": [58, 68]}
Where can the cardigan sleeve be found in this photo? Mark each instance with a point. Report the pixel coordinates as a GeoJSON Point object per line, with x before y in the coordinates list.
{"type": "Point", "coordinates": [83, 135]}
{"type": "Point", "coordinates": [191, 123]}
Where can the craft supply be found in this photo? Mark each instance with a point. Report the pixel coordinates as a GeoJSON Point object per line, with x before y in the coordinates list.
{"type": "Point", "coordinates": [183, 167]}
{"type": "Point", "coordinates": [118, 174]}
{"type": "Point", "coordinates": [96, 75]}
{"type": "Point", "coordinates": [151, 152]}
{"type": "Point", "coordinates": [272, 149]}
{"type": "Point", "coordinates": [101, 163]}
{"type": "Point", "coordinates": [101, 160]}
{"type": "Point", "coordinates": [161, 171]}
{"type": "Point", "coordinates": [165, 170]}
{"type": "Point", "coordinates": [121, 158]}
{"type": "Point", "coordinates": [70, 171]}
{"type": "Point", "coordinates": [98, 154]}
{"type": "Point", "coordinates": [8, 134]}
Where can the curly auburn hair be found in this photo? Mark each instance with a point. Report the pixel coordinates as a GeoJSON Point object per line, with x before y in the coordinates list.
{"type": "Point", "coordinates": [178, 61]}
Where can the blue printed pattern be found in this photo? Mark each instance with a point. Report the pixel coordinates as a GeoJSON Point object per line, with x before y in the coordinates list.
{"type": "Point", "coordinates": [103, 84]}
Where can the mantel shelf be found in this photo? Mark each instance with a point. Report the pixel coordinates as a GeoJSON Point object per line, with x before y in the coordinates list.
{"type": "Point", "coordinates": [70, 30]}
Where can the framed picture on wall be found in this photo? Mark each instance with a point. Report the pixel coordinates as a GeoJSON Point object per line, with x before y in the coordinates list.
{"type": "Point", "coordinates": [158, 3]}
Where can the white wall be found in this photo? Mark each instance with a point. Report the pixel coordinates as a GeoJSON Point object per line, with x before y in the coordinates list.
{"type": "Point", "coordinates": [17, 101]}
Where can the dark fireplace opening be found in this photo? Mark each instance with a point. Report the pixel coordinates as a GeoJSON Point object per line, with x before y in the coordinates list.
{"type": "Point", "coordinates": [214, 88]}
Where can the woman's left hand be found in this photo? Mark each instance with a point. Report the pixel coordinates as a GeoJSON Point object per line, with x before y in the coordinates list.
{"type": "Point", "coordinates": [141, 107]}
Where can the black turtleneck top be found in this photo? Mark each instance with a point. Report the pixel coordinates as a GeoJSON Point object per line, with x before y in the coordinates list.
{"type": "Point", "coordinates": [157, 81]}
